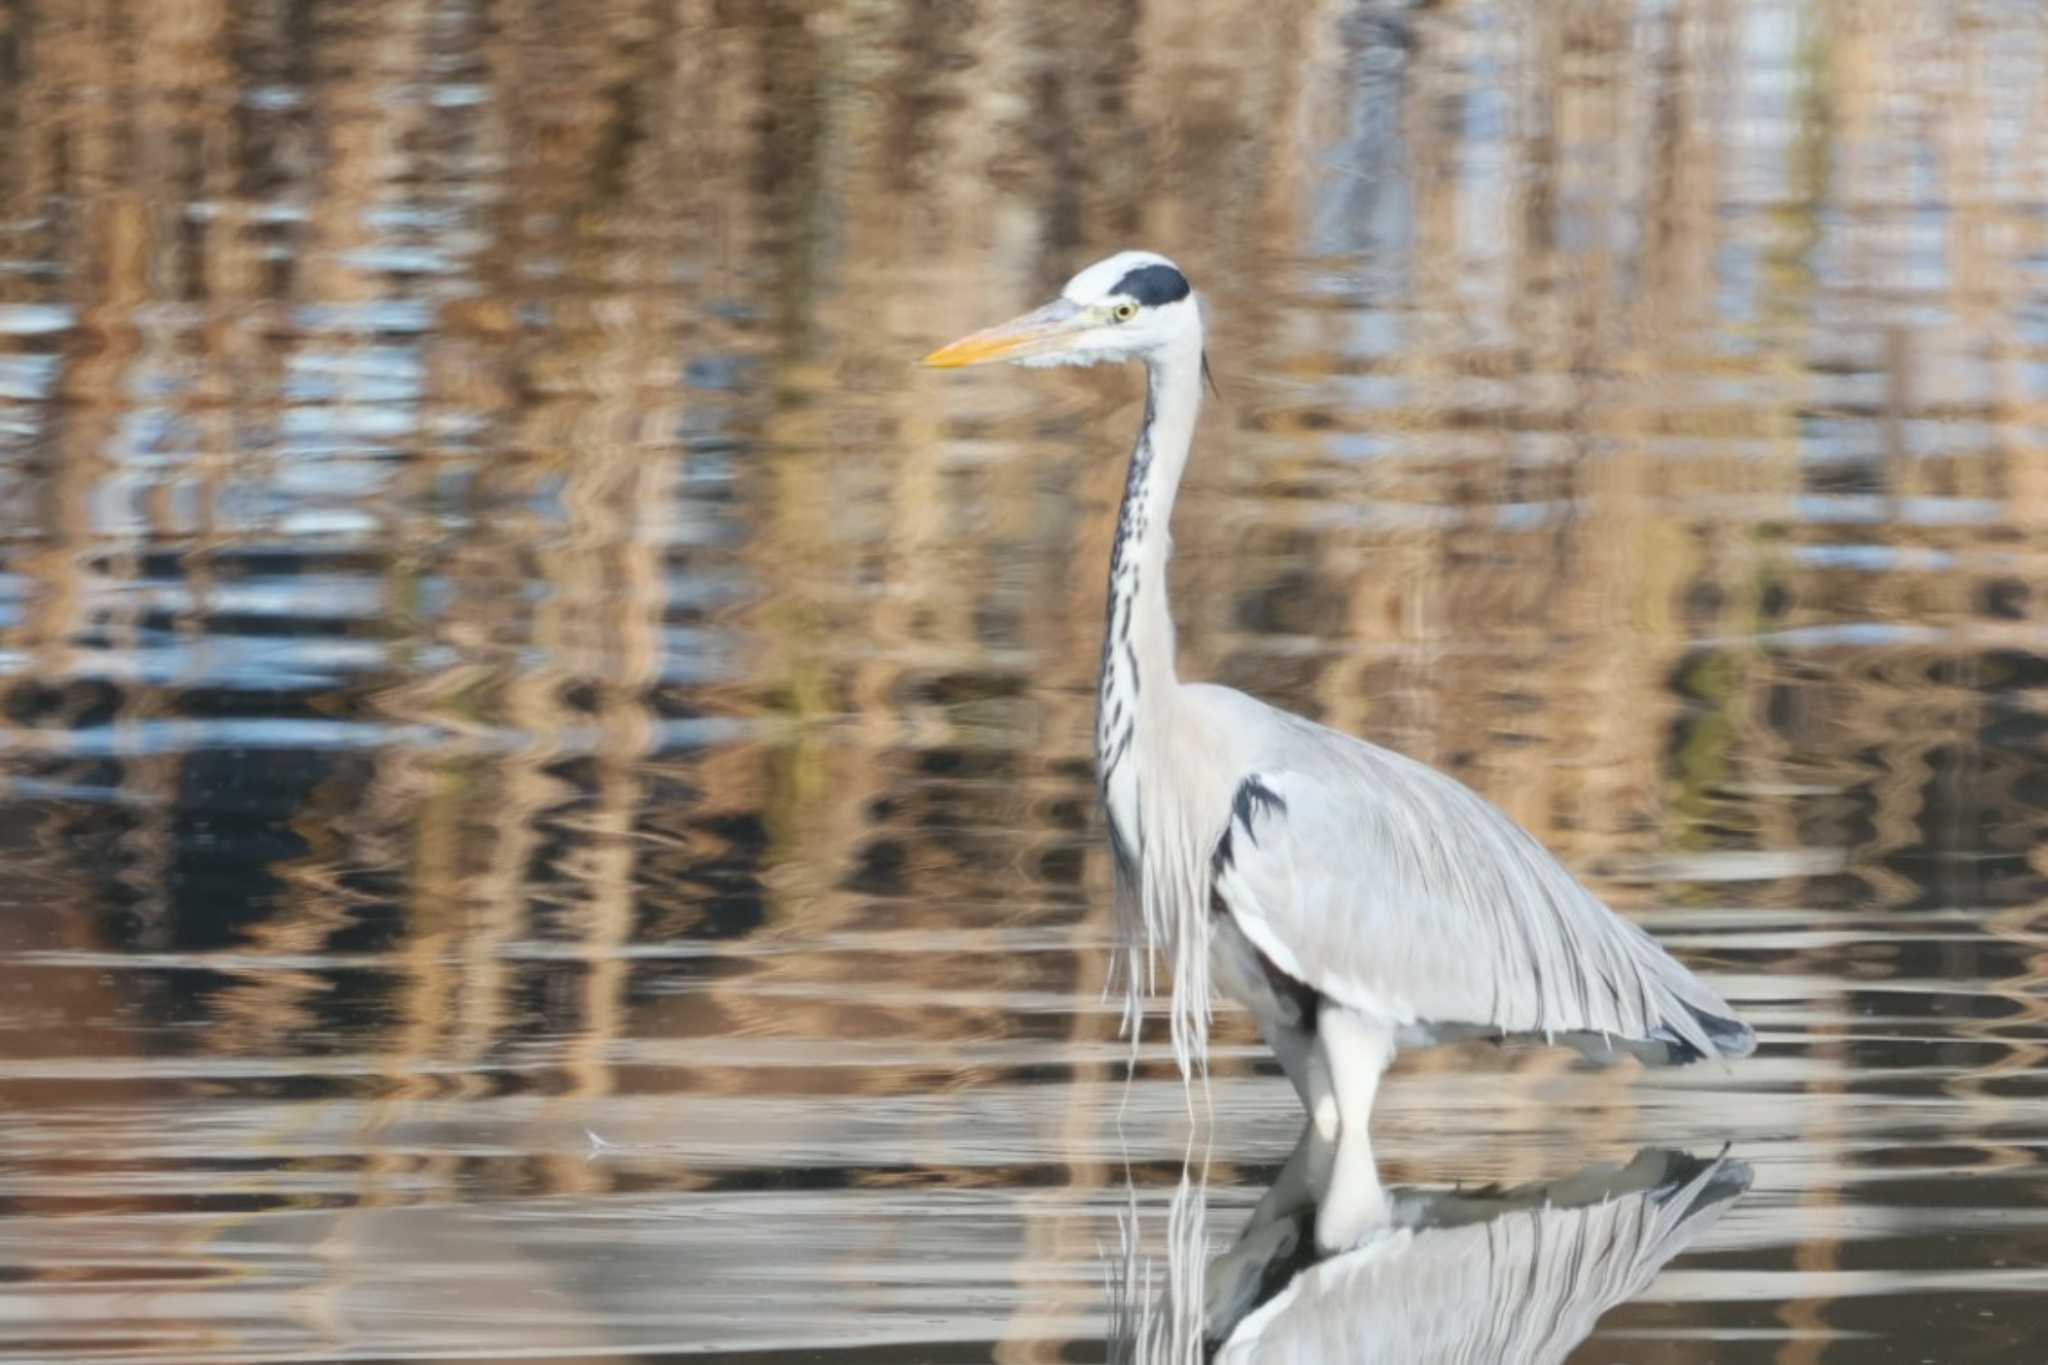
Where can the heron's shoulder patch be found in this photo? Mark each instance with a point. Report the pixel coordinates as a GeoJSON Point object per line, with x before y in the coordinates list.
{"type": "Point", "coordinates": [1254, 798]}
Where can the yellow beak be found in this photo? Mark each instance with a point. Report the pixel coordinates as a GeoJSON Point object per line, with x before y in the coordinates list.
{"type": "Point", "coordinates": [1040, 331]}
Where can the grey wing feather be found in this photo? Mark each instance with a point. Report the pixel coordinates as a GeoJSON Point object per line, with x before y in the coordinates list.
{"type": "Point", "coordinates": [1394, 889]}
{"type": "Point", "coordinates": [1524, 1283]}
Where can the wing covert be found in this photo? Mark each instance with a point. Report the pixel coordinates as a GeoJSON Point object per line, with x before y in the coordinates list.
{"type": "Point", "coordinates": [1401, 893]}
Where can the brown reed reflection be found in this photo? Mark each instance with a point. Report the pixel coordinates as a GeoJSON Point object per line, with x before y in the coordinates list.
{"type": "Point", "coordinates": [498, 643]}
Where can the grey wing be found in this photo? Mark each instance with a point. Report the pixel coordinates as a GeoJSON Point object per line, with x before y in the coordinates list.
{"type": "Point", "coordinates": [1524, 1280]}
{"type": "Point", "coordinates": [1395, 890]}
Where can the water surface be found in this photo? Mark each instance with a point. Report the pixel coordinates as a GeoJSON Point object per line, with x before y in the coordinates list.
{"type": "Point", "coordinates": [544, 769]}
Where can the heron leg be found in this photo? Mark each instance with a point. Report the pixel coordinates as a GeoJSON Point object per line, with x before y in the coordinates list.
{"type": "Point", "coordinates": [1301, 1057]}
{"type": "Point", "coordinates": [1319, 1095]}
{"type": "Point", "coordinates": [1355, 1052]}
{"type": "Point", "coordinates": [1301, 1182]}
{"type": "Point", "coordinates": [1355, 1204]}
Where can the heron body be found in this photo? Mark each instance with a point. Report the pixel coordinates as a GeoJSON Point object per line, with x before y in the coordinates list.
{"type": "Point", "coordinates": [1354, 900]}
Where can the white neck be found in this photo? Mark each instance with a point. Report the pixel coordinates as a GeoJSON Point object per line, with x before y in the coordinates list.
{"type": "Point", "coordinates": [1157, 855]}
{"type": "Point", "coordinates": [1137, 642]}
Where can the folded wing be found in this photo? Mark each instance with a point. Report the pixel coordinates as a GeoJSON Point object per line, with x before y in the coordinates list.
{"type": "Point", "coordinates": [1397, 891]}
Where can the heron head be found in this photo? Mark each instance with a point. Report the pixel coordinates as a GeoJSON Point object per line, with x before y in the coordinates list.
{"type": "Point", "coordinates": [1133, 305]}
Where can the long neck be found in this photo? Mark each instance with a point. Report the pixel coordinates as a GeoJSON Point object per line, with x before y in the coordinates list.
{"type": "Point", "coordinates": [1137, 641]}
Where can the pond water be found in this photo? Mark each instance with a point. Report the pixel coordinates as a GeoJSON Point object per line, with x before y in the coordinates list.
{"type": "Point", "coordinates": [545, 776]}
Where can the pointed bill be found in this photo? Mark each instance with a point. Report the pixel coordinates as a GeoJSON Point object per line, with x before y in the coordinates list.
{"type": "Point", "coordinates": [1037, 332]}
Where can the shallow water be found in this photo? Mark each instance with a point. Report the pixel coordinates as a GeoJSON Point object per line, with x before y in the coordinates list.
{"type": "Point", "coordinates": [547, 799]}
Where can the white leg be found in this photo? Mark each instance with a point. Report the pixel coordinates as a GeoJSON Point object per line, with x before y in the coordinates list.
{"type": "Point", "coordinates": [1300, 1184]}
{"type": "Point", "coordinates": [1320, 1095]}
{"type": "Point", "coordinates": [1354, 1054]}
{"type": "Point", "coordinates": [1296, 1051]}
{"type": "Point", "coordinates": [1355, 1204]}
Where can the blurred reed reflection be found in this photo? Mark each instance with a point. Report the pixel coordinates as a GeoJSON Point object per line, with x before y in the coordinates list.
{"type": "Point", "coordinates": [497, 643]}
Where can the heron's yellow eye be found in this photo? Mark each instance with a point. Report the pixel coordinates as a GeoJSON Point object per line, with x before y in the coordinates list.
{"type": "Point", "coordinates": [1124, 311]}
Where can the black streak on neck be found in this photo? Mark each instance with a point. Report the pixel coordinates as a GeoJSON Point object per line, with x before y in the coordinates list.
{"type": "Point", "coordinates": [1132, 516]}
{"type": "Point", "coordinates": [1114, 738]}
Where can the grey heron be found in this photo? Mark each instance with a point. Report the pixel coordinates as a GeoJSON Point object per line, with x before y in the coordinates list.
{"type": "Point", "coordinates": [1356, 901]}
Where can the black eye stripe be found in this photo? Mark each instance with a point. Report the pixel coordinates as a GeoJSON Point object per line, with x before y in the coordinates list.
{"type": "Point", "coordinates": [1152, 285]}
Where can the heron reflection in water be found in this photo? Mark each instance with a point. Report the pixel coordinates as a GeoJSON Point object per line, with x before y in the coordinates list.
{"type": "Point", "coordinates": [1514, 1276]}
{"type": "Point", "coordinates": [1355, 900]}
